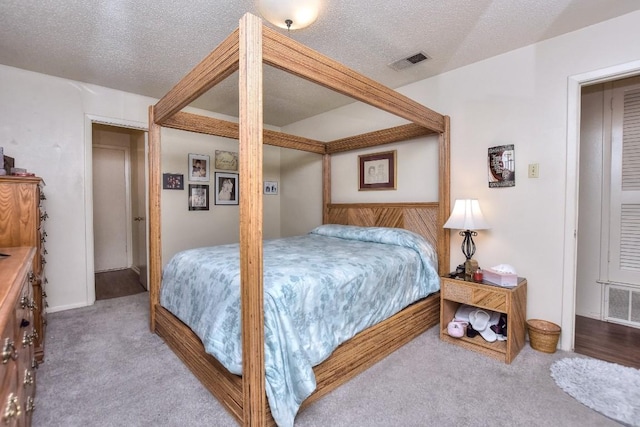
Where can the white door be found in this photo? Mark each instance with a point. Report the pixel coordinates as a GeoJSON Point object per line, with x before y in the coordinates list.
{"type": "Point", "coordinates": [140, 208]}
{"type": "Point", "coordinates": [624, 240]}
{"type": "Point", "coordinates": [111, 211]}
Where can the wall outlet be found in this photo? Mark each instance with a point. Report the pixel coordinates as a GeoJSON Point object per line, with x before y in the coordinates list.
{"type": "Point", "coordinates": [534, 170]}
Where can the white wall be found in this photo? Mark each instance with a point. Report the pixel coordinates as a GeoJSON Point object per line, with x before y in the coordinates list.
{"type": "Point", "coordinates": [300, 192]}
{"type": "Point", "coordinates": [42, 125]}
{"type": "Point", "coordinates": [417, 179]}
{"type": "Point", "coordinates": [182, 229]}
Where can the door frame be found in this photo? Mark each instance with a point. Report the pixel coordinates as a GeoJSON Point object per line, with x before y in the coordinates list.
{"type": "Point", "coordinates": [570, 249]}
{"type": "Point", "coordinates": [89, 121]}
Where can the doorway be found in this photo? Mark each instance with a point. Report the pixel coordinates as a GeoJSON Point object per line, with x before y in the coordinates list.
{"type": "Point", "coordinates": [598, 301]}
{"type": "Point", "coordinates": [570, 245]}
{"type": "Point", "coordinates": [119, 210]}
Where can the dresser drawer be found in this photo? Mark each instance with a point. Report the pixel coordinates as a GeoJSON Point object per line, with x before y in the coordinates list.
{"type": "Point", "coordinates": [477, 295]}
{"type": "Point", "coordinates": [11, 401]}
{"type": "Point", "coordinates": [17, 339]}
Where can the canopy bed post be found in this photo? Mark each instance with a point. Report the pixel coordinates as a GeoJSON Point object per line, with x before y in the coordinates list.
{"type": "Point", "coordinates": [155, 244]}
{"type": "Point", "coordinates": [445, 176]}
{"type": "Point", "coordinates": [326, 187]}
{"type": "Point", "coordinates": [251, 280]}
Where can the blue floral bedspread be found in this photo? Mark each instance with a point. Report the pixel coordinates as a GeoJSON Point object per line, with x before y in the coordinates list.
{"type": "Point", "coordinates": [320, 290]}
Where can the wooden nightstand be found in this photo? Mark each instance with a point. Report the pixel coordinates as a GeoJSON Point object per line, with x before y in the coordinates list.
{"type": "Point", "coordinates": [511, 301]}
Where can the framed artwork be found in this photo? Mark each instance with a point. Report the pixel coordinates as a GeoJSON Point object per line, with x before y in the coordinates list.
{"type": "Point", "coordinates": [198, 167]}
{"type": "Point", "coordinates": [198, 197]}
{"type": "Point", "coordinates": [377, 171]}
{"type": "Point", "coordinates": [226, 160]}
{"type": "Point", "coordinates": [270, 187]}
{"type": "Point", "coordinates": [502, 166]}
{"type": "Point", "coordinates": [172, 181]}
{"type": "Point", "coordinates": [226, 188]}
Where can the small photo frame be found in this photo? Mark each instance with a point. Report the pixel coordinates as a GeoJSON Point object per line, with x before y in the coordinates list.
{"type": "Point", "coordinates": [271, 188]}
{"type": "Point", "coordinates": [198, 197]}
{"type": "Point", "coordinates": [377, 171]}
{"type": "Point", "coordinates": [502, 166]}
{"type": "Point", "coordinates": [198, 167]}
{"type": "Point", "coordinates": [226, 188]}
{"type": "Point", "coordinates": [226, 160]}
{"type": "Point", "coordinates": [173, 181]}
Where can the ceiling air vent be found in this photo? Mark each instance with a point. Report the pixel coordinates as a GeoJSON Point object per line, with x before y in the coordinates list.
{"type": "Point", "coordinates": [414, 59]}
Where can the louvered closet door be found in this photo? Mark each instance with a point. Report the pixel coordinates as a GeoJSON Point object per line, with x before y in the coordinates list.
{"type": "Point", "coordinates": [624, 241]}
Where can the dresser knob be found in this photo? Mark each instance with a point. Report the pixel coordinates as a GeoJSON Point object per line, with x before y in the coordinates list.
{"type": "Point", "coordinates": [28, 377]}
{"type": "Point", "coordinates": [12, 409]}
{"type": "Point", "coordinates": [30, 406]}
{"type": "Point", "coordinates": [8, 351]}
{"type": "Point", "coordinates": [27, 339]}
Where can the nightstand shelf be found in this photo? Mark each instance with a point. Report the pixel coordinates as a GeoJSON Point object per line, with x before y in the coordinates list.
{"type": "Point", "coordinates": [511, 301]}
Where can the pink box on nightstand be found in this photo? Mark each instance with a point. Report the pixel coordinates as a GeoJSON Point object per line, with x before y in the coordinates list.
{"type": "Point", "coordinates": [501, 279]}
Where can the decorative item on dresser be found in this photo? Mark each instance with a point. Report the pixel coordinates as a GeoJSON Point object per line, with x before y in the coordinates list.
{"type": "Point", "coordinates": [17, 372]}
{"type": "Point", "coordinates": [22, 218]}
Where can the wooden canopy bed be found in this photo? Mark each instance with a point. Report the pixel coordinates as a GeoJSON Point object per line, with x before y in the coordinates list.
{"type": "Point", "coordinates": [246, 50]}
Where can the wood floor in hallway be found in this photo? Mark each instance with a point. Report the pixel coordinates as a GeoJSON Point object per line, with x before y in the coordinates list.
{"type": "Point", "coordinates": [117, 283]}
{"type": "Point", "coordinates": [608, 341]}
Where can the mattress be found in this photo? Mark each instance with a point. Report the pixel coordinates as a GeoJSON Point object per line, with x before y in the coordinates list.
{"type": "Point", "coordinates": [320, 289]}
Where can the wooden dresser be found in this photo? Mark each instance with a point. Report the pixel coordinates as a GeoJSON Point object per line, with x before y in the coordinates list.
{"type": "Point", "coordinates": [22, 219]}
{"type": "Point", "coordinates": [17, 371]}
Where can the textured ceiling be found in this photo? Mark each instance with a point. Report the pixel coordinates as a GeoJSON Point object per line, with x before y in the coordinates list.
{"type": "Point", "coordinates": [146, 46]}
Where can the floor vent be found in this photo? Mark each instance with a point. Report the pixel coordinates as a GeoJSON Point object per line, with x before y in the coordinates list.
{"type": "Point", "coordinates": [414, 59]}
{"type": "Point", "coordinates": [622, 304]}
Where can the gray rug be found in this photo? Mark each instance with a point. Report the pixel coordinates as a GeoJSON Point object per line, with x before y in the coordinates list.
{"type": "Point", "coordinates": [609, 388]}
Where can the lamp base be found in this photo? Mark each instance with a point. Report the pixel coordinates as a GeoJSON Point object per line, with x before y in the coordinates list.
{"type": "Point", "coordinates": [470, 267]}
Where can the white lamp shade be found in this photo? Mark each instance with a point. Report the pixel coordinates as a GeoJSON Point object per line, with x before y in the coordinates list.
{"type": "Point", "coordinates": [302, 13]}
{"type": "Point", "coordinates": [466, 215]}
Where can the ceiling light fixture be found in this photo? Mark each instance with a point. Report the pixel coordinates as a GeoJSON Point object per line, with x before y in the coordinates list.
{"type": "Point", "coordinates": [289, 14]}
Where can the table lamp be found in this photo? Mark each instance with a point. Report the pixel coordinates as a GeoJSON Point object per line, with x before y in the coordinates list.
{"type": "Point", "coordinates": [467, 217]}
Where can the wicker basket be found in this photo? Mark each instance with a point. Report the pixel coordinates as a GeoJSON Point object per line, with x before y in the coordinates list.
{"type": "Point", "coordinates": [543, 335]}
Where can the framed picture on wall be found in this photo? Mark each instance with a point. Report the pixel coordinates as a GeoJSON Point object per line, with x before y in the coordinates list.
{"type": "Point", "coordinates": [226, 160]}
{"type": "Point", "coordinates": [172, 181]}
{"type": "Point", "coordinates": [377, 171]}
{"type": "Point", "coordinates": [271, 188]}
{"type": "Point", "coordinates": [502, 166]}
{"type": "Point", "coordinates": [226, 188]}
{"type": "Point", "coordinates": [198, 197]}
{"type": "Point", "coordinates": [198, 167]}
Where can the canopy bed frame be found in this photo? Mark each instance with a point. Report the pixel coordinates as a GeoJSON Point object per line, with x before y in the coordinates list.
{"type": "Point", "coordinates": [246, 50]}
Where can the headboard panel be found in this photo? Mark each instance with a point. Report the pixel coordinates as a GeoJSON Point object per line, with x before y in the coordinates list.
{"type": "Point", "coordinates": [421, 218]}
